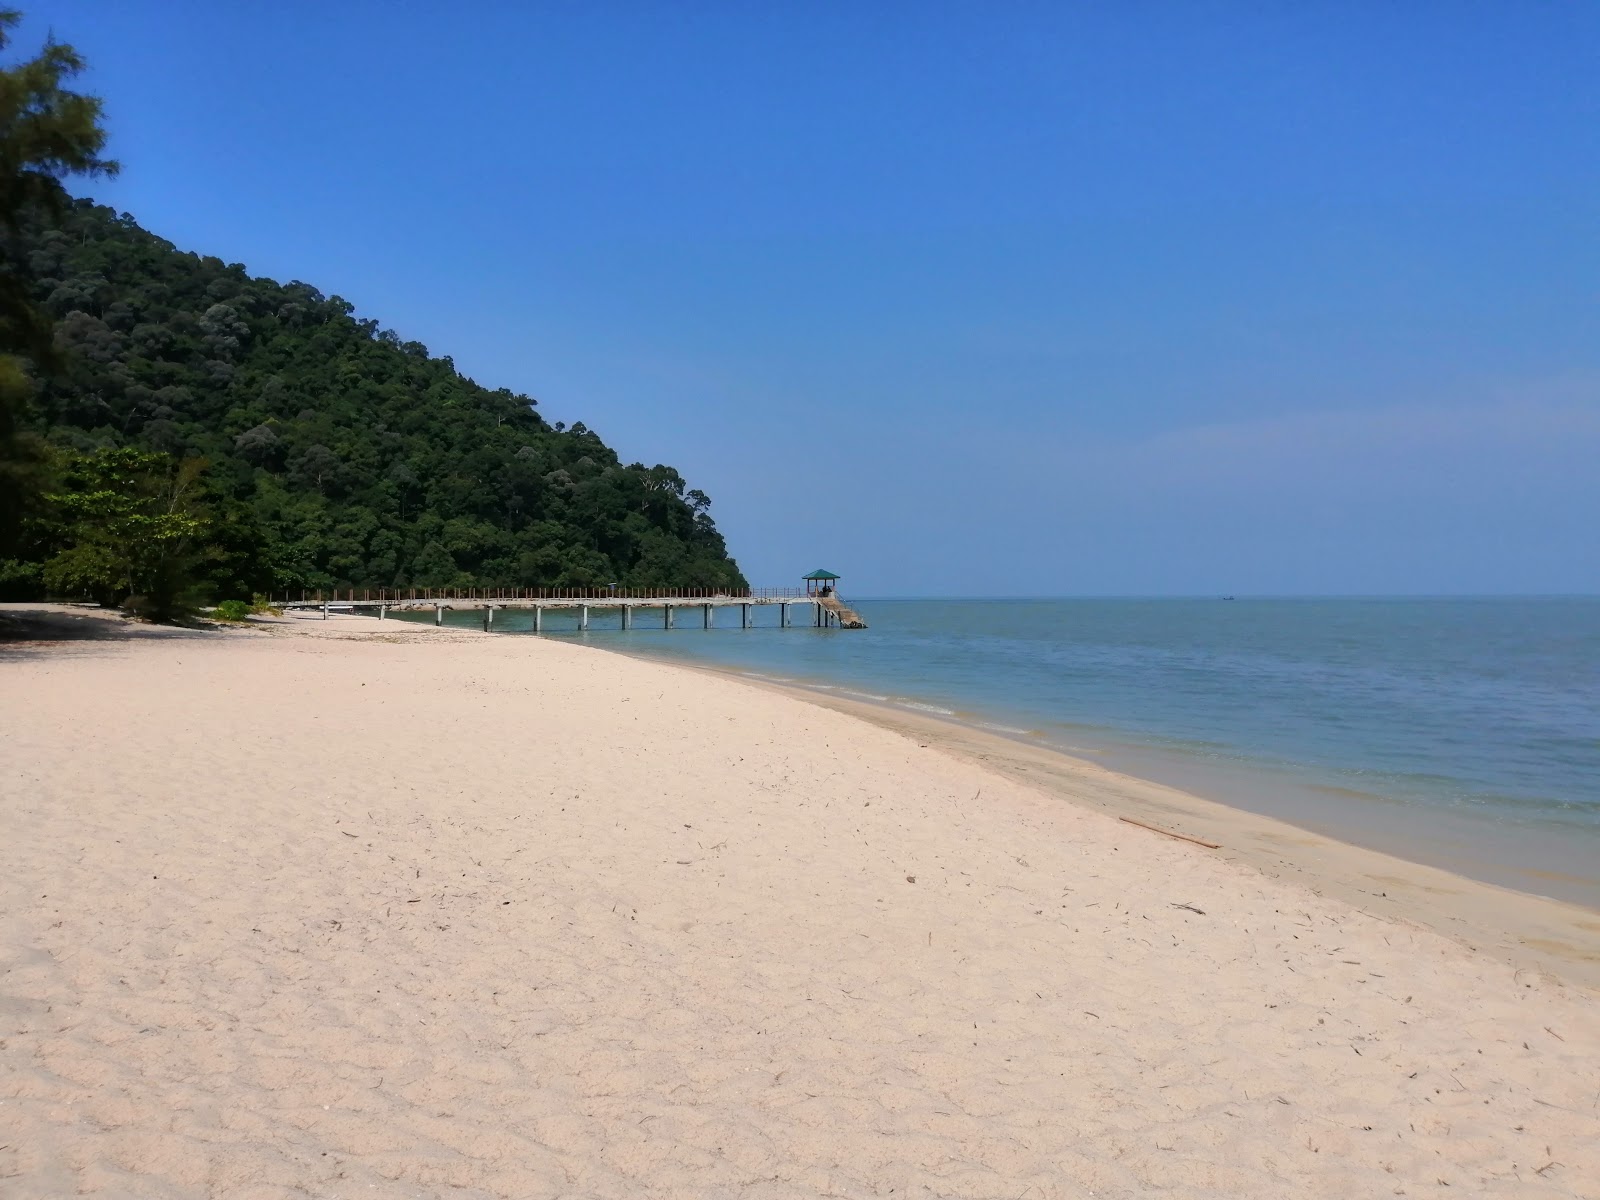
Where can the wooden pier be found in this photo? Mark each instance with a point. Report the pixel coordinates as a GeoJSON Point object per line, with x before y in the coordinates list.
{"type": "Point", "coordinates": [628, 606]}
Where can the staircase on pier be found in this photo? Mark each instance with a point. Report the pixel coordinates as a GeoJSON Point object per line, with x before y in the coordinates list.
{"type": "Point", "coordinates": [847, 618]}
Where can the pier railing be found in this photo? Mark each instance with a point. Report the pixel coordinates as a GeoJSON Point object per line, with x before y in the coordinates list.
{"type": "Point", "coordinates": [490, 594]}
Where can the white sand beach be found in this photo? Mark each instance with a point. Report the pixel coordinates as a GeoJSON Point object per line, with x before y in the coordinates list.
{"type": "Point", "coordinates": [351, 908]}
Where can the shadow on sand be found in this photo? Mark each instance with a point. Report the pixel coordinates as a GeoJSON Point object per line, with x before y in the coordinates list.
{"type": "Point", "coordinates": [27, 628]}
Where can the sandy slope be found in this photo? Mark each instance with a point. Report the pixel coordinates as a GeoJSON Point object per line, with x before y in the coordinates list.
{"type": "Point", "coordinates": [447, 914]}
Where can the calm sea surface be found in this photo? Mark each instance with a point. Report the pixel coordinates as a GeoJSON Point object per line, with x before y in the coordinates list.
{"type": "Point", "coordinates": [1460, 731]}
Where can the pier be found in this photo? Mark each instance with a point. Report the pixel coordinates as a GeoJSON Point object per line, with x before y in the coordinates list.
{"type": "Point", "coordinates": [822, 586]}
{"type": "Point", "coordinates": [623, 608]}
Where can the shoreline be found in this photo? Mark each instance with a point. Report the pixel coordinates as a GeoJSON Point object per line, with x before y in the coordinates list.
{"type": "Point", "coordinates": [357, 908]}
{"type": "Point", "coordinates": [1541, 847]}
{"type": "Point", "coordinates": [1245, 788]}
{"type": "Point", "coordinates": [1523, 928]}
{"type": "Point", "coordinates": [1528, 857]}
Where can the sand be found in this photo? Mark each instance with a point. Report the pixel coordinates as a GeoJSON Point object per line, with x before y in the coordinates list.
{"type": "Point", "coordinates": [353, 909]}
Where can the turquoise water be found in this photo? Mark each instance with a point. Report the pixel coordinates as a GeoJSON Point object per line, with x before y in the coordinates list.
{"type": "Point", "coordinates": [1465, 731]}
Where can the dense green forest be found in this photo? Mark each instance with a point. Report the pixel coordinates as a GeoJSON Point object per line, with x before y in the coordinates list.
{"type": "Point", "coordinates": [176, 430]}
{"type": "Point", "coordinates": [337, 453]}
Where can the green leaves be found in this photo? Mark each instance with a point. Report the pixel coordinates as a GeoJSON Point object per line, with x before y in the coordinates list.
{"type": "Point", "coordinates": [131, 523]}
{"type": "Point", "coordinates": [47, 131]}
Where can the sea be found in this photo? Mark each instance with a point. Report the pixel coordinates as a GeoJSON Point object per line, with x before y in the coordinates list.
{"type": "Point", "coordinates": [1463, 732]}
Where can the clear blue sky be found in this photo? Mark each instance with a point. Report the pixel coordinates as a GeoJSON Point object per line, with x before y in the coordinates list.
{"type": "Point", "coordinates": [997, 298]}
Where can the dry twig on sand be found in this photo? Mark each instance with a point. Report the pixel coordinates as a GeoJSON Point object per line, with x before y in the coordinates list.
{"type": "Point", "coordinates": [1182, 837]}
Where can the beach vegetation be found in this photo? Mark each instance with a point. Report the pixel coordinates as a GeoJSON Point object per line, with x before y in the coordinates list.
{"type": "Point", "coordinates": [131, 529]}
{"type": "Point", "coordinates": [47, 133]}
{"type": "Point", "coordinates": [233, 610]}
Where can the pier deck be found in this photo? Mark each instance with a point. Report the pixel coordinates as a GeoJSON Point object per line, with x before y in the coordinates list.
{"type": "Point", "coordinates": [379, 602]}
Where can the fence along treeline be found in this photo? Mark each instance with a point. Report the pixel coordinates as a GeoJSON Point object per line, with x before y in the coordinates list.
{"type": "Point", "coordinates": [337, 454]}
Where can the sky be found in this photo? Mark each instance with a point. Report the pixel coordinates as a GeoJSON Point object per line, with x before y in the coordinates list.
{"type": "Point", "coordinates": [953, 299]}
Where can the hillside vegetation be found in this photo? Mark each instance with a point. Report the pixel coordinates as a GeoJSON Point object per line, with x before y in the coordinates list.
{"type": "Point", "coordinates": [336, 453]}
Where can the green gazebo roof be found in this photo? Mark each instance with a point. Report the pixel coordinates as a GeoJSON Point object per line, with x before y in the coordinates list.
{"type": "Point", "coordinates": [819, 573]}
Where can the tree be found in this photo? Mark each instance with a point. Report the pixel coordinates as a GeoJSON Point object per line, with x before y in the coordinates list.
{"type": "Point", "coordinates": [260, 445]}
{"type": "Point", "coordinates": [433, 567]}
{"type": "Point", "coordinates": [132, 524]}
{"type": "Point", "coordinates": [47, 133]}
{"type": "Point", "coordinates": [316, 467]}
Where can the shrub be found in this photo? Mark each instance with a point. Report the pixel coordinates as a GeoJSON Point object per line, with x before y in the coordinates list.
{"type": "Point", "coordinates": [232, 610]}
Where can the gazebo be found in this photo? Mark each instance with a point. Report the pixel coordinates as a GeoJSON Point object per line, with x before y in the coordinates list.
{"type": "Point", "coordinates": [821, 583]}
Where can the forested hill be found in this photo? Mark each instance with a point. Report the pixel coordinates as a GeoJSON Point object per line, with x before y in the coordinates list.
{"type": "Point", "coordinates": [341, 454]}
